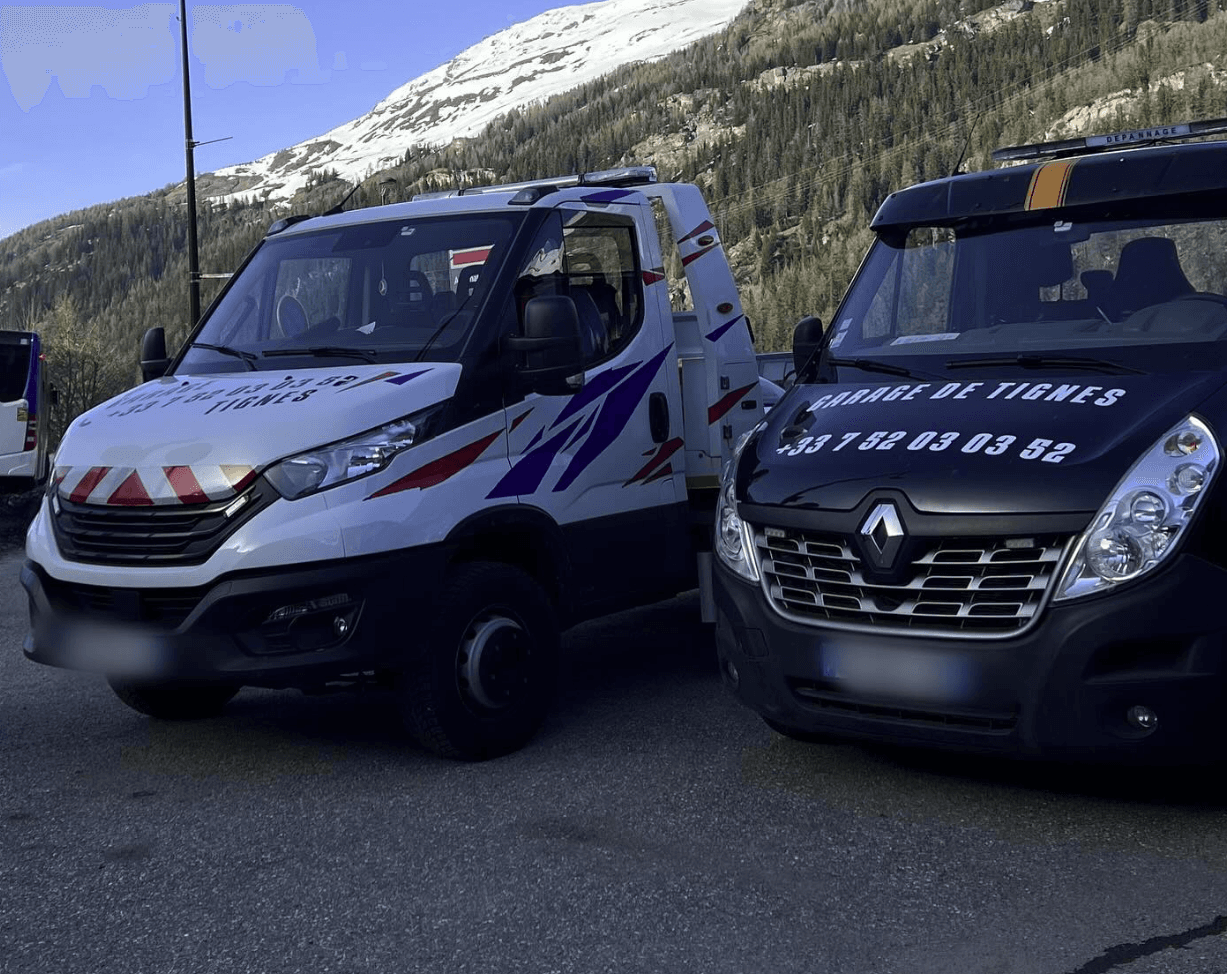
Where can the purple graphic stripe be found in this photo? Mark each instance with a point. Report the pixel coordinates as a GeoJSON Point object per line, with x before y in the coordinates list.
{"type": "Point", "coordinates": [716, 335]}
{"type": "Point", "coordinates": [600, 384]}
{"type": "Point", "coordinates": [400, 380]}
{"type": "Point", "coordinates": [581, 431]}
{"type": "Point", "coordinates": [526, 476]}
{"type": "Point", "coordinates": [615, 413]}
{"type": "Point", "coordinates": [608, 196]}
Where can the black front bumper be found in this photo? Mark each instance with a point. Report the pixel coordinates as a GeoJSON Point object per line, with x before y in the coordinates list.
{"type": "Point", "coordinates": [1063, 687]}
{"type": "Point", "coordinates": [290, 627]}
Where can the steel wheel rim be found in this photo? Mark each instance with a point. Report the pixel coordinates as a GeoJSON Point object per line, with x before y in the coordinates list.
{"type": "Point", "coordinates": [494, 660]}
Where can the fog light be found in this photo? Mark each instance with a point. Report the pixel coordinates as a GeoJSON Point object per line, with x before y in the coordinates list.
{"type": "Point", "coordinates": [302, 608]}
{"type": "Point", "coordinates": [731, 672]}
{"type": "Point", "coordinates": [340, 625]}
{"type": "Point", "coordinates": [1142, 717]}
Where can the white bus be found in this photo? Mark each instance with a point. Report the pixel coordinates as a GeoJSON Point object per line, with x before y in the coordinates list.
{"type": "Point", "coordinates": [24, 408]}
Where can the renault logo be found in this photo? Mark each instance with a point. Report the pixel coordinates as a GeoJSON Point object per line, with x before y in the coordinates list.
{"type": "Point", "coordinates": [882, 532]}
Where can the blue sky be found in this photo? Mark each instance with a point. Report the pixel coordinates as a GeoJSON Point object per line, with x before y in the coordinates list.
{"type": "Point", "coordinates": [92, 108]}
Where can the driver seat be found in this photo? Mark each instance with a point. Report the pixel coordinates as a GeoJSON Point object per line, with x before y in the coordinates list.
{"type": "Point", "coordinates": [409, 305]}
{"type": "Point", "coordinates": [1148, 272]}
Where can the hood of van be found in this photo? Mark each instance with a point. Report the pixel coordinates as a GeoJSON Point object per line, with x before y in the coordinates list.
{"type": "Point", "coordinates": [199, 438]}
{"type": "Point", "coordinates": [1038, 444]}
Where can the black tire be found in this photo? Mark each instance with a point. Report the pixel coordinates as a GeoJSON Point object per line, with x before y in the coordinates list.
{"type": "Point", "coordinates": [796, 734]}
{"type": "Point", "coordinates": [173, 701]}
{"type": "Point", "coordinates": [480, 682]}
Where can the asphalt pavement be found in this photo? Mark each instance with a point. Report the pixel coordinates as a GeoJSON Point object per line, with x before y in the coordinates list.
{"type": "Point", "coordinates": [654, 826]}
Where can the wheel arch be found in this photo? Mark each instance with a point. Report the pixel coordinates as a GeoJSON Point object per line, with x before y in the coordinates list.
{"type": "Point", "coordinates": [522, 536]}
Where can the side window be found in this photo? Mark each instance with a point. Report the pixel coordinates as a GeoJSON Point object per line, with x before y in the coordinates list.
{"type": "Point", "coordinates": [593, 259]}
{"type": "Point", "coordinates": [602, 271]}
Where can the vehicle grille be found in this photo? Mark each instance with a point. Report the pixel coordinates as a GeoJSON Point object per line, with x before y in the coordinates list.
{"type": "Point", "coordinates": [163, 609]}
{"type": "Point", "coordinates": [184, 534]}
{"type": "Point", "coordinates": [972, 586]}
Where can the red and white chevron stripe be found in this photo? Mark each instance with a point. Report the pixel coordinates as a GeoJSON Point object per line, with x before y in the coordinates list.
{"type": "Point", "coordinates": [149, 486]}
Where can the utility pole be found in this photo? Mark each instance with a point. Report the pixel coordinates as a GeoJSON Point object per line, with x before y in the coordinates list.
{"type": "Point", "coordinates": [193, 258]}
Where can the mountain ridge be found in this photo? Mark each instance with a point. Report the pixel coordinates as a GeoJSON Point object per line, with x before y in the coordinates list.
{"type": "Point", "coordinates": [520, 65]}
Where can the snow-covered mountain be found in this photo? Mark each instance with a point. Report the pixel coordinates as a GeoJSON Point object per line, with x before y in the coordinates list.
{"type": "Point", "coordinates": [525, 63]}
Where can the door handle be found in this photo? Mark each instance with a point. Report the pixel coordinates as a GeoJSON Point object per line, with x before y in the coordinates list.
{"type": "Point", "coordinates": [658, 417]}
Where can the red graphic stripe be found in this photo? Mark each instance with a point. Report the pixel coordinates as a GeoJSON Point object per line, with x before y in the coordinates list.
{"type": "Point", "coordinates": [698, 253]}
{"type": "Point", "coordinates": [185, 485]}
{"type": "Point", "coordinates": [714, 412]}
{"type": "Point", "coordinates": [86, 485]}
{"type": "Point", "coordinates": [519, 419]}
{"type": "Point", "coordinates": [661, 456]}
{"type": "Point", "coordinates": [661, 474]}
{"type": "Point", "coordinates": [131, 493]}
{"type": "Point", "coordinates": [239, 476]}
{"type": "Point", "coordinates": [652, 277]}
{"type": "Point", "coordinates": [701, 228]}
{"type": "Point", "coordinates": [439, 470]}
{"type": "Point", "coordinates": [463, 257]}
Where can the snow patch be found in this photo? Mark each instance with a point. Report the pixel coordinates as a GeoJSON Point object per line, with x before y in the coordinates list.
{"type": "Point", "coordinates": [521, 65]}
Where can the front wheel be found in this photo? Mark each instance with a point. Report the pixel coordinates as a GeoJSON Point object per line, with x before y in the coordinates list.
{"type": "Point", "coordinates": [173, 701]}
{"type": "Point", "coordinates": [480, 682]}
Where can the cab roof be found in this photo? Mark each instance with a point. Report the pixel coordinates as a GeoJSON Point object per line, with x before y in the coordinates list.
{"type": "Point", "coordinates": [1104, 173]}
{"type": "Point", "coordinates": [606, 186]}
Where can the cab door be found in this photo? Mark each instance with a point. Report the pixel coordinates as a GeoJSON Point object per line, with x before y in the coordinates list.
{"type": "Point", "coordinates": [605, 461]}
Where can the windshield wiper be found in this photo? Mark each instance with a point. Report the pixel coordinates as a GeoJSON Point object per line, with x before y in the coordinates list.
{"type": "Point", "coordinates": [249, 358]}
{"type": "Point", "coordinates": [869, 365]}
{"type": "Point", "coordinates": [1023, 360]}
{"type": "Point", "coordinates": [326, 351]}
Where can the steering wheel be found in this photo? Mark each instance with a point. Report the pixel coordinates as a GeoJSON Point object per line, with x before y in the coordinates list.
{"type": "Point", "coordinates": [291, 316]}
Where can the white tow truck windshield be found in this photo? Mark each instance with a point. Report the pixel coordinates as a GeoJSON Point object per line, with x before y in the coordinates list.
{"type": "Point", "coordinates": [1061, 286]}
{"type": "Point", "coordinates": [392, 291]}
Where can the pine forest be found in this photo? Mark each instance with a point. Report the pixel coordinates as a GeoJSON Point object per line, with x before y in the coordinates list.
{"type": "Point", "coordinates": [797, 121]}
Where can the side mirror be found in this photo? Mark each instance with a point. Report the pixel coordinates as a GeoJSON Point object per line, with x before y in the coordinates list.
{"type": "Point", "coordinates": [553, 361]}
{"type": "Point", "coordinates": [154, 360]}
{"type": "Point", "coordinates": [806, 337]}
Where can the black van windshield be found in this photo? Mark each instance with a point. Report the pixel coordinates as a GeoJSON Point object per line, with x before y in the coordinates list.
{"type": "Point", "coordinates": [392, 291]}
{"type": "Point", "coordinates": [1096, 292]}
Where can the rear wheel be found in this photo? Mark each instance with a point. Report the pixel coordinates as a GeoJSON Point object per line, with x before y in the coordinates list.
{"type": "Point", "coordinates": [480, 682]}
{"type": "Point", "coordinates": [173, 701]}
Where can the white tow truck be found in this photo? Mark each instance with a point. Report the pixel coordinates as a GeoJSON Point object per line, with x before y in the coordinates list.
{"type": "Point", "coordinates": [407, 443]}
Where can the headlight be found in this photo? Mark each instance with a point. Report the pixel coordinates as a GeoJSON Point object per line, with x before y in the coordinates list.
{"type": "Point", "coordinates": [1143, 519]}
{"type": "Point", "coordinates": [734, 544]}
{"type": "Point", "coordinates": [339, 463]}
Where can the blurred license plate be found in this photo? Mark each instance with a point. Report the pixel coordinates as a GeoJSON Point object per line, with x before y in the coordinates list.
{"type": "Point", "coordinates": [936, 676]}
{"type": "Point", "coordinates": [114, 650]}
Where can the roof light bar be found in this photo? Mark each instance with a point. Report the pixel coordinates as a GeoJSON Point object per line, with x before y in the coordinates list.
{"type": "Point", "coordinates": [621, 177]}
{"type": "Point", "coordinates": [1114, 140]}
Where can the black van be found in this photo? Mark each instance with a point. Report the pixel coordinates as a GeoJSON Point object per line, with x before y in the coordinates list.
{"type": "Point", "coordinates": [987, 516]}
